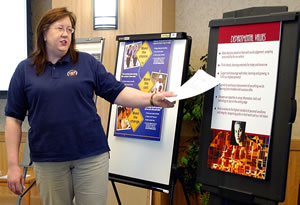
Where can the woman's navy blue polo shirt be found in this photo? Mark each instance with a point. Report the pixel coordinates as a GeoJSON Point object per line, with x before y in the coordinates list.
{"type": "Point", "coordinates": [64, 124]}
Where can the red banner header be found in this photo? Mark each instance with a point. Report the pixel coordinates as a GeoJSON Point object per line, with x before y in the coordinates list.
{"type": "Point", "coordinates": [250, 33]}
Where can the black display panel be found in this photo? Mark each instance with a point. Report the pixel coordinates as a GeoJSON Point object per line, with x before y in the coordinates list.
{"type": "Point", "coordinates": [272, 187]}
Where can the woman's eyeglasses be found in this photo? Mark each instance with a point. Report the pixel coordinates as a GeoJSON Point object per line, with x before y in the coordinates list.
{"type": "Point", "coordinates": [61, 29]}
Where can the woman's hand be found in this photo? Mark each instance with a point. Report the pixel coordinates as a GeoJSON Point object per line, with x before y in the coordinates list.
{"type": "Point", "coordinates": [15, 179]}
{"type": "Point", "coordinates": [131, 97]}
{"type": "Point", "coordinates": [159, 99]}
{"type": "Point", "coordinates": [13, 134]}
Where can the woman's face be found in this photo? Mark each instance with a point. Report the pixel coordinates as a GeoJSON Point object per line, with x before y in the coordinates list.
{"type": "Point", "coordinates": [238, 131]}
{"type": "Point", "coordinates": [58, 38]}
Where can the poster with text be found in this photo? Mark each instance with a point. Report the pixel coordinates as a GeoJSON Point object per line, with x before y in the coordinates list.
{"type": "Point", "coordinates": [145, 67]}
{"type": "Point", "coordinates": [243, 106]}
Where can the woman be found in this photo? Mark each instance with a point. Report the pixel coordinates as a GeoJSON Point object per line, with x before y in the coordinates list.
{"type": "Point", "coordinates": [68, 145]}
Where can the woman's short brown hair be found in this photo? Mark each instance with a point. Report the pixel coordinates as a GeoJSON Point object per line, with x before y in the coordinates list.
{"type": "Point", "coordinates": [40, 54]}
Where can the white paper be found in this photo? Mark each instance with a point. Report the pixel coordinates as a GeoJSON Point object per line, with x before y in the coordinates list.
{"type": "Point", "coordinates": [199, 83]}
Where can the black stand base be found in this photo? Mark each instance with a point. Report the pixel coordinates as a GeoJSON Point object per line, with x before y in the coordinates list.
{"type": "Point", "coordinates": [217, 200]}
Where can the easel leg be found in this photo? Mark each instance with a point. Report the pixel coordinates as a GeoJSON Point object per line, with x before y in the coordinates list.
{"type": "Point", "coordinates": [178, 175]}
{"type": "Point", "coordinates": [21, 195]}
{"type": "Point", "coordinates": [172, 190]}
{"type": "Point", "coordinates": [184, 191]}
{"type": "Point", "coordinates": [116, 192]}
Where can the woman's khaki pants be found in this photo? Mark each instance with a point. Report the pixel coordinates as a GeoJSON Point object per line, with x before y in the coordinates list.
{"type": "Point", "coordinates": [86, 179]}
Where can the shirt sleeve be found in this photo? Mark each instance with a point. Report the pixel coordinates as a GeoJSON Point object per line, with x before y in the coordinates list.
{"type": "Point", "coordinates": [106, 84]}
{"type": "Point", "coordinates": [16, 105]}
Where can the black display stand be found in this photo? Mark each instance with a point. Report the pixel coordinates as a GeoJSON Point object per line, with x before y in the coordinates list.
{"type": "Point", "coordinates": [231, 189]}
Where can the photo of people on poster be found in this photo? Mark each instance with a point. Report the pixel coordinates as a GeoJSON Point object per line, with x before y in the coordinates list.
{"type": "Point", "coordinates": [122, 121]}
{"type": "Point", "coordinates": [238, 133]}
{"type": "Point", "coordinates": [130, 57]}
{"type": "Point", "coordinates": [160, 80]}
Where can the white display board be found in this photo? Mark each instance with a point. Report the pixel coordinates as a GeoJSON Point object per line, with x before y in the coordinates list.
{"type": "Point", "coordinates": [93, 46]}
{"type": "Point", "coordinates": [13, 35]}
{"type": "Point", "coordinates": [147, 160]}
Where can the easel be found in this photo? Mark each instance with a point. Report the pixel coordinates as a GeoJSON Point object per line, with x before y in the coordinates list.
{"type": "Point", "coordinates": [178, 173]}
{"type": "Point", "coordinates": [164, 150]}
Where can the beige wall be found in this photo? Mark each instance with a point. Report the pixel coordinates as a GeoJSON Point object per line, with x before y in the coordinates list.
{"type": "Point", "coordinates": [193, 17]}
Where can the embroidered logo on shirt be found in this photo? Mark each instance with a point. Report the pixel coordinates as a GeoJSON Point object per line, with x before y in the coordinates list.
{"type": "Point", "coordinates": [72, 73]}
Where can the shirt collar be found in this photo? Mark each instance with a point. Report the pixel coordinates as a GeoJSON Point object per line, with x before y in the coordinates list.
{"type": "Point", "coordinates": [64, 60]}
